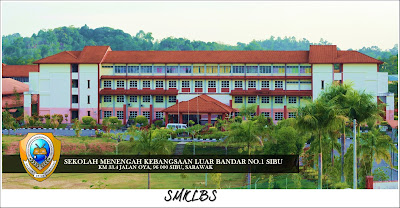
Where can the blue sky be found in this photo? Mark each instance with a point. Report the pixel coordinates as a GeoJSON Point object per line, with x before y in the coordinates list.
{"type": "Point", "coordinates": [347, 24]}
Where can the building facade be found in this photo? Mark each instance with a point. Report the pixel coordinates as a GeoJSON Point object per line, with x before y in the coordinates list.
{"type": "Point", "coordinates": [99, 82]}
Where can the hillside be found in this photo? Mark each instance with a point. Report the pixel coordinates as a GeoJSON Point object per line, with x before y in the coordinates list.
{"type": "Point", "coordinates": [25, 50]}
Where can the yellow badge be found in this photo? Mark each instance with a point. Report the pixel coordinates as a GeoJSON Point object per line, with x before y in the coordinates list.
{"type": "Point", "coordinates": [40, 153]}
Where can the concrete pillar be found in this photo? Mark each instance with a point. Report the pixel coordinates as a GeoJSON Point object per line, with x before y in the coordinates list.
{"type": "Point", "coordinates": [166, 119]}
{"type": "Point", "coordinates": [209, 118]}
{"type": "Point", "coordinates": [285, 113]}
{"type": "Point", "coordinates": [151, 114]}
{"type": "Point", "coordinates": [124, 118]}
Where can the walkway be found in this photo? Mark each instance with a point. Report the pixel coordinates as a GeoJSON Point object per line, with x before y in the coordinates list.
{"type": "Point", "coordinates": [179, 148]}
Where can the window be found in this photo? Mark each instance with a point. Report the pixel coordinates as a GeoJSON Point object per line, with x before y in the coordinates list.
{"type": "Point", "coordinates": [252, 69]}
{"type": "Point", "coordinates": [278, 84]}
{"type": "Point", "coordinates": [159, 69]}
{"type": "Point", "coordinates": [292, 69]}
{"type": "Point", "coordinates": [133, 69]}
{"type": "Point", "coordinates": [107, 67]}
{"type": "Point", "coordinates": [74, 67]}
{"type": "Point", "coordinates": [305, 69]}
{"type": "Point", "coordinates": [198, 69]}
{"type": "Point", "coordinates": [88, 99]}
{"type": "Point", "coordinates": [279, 69]}
{"type": "Point", "coordinates": [159, 99]}
{"type": "Point", "coordinates": [185, 84]}
{"type": "Point", "coordinates": [120, 69]}
{"type": "Point", "coordinates": [224, 69]}
{"type": "Point", "coordinates": [120, 84]}
{"type": "Point", "coordinates": [88, 113]}
{"type": "Point", "coordinates": [159, 84]}
{"type": "Point", "coordinates": [172, 84]}
{"type": "Point", "coordinates": [212, 69]}
{"type": "Point", "coordinates": [88, 84]}
{"type": "Point", "coordinates": [146, 84]}
{"type": "Point", "coordinates": [172, 69]}
{"type": "Point", "coordinates": [107, 84]}
{"type": "Point", "coordinates": [238, 84]}
{"type": "Point", "coordinates": [292, 114]}
{"type": "Point", "coordinates": [159, 115]}
{"type": "Point", "coordinates": [172, 99]}
{"type": "Point", "coordinates": [225, 84]}
{"type": "Point", "coordinates": [238, 99]}
{"type": "Point", "coordinates": [252, 99]}
{"type": "Point", "coordinates": [146, 98]}
{"type": "Point", "coordinates": [278, 116]}
{"type": "Point", "coordinates": [322, 84]}
{"type": "Point", "coordinates": [120, 99]}
{"type": "Point", "coordinates": [265, 114]}
{"type": "Point", "coordinates": [107, 98]}
{"type": "Point", "coordinates": [146, 69]}
{"type": "Point", "coordinates": [198, 84]}
{"type": "Point", "coordinates": [265, 69]}
{"type": "Point", "coordinates": [120, 114]}
{"type": "Point", "coordinates": [185, 69]}
{"type": "Point", "coordinates": [74, 98]}
{"type": "Point", "coordinates": [238, 69]}
{"type": "Point", "coordinates": [146, 114]}
{"type": "Point", "coordinates": [292, 82]}
{"type": "Point", "coordinates": [75, 83]}
{"type": "Point", "coordinates": [132, 114]}
{"type": "Point", "coordinates": [279, 99]}
{"type": "Point", "coordinates": [132, 84]}
{"type": "Point", "coordinates": [212, 84]}
{"type": "Point", "coordinates": [107, 114]}
{"type": "Point", "coordinates": [292, 99]}
{"type": "Point", "coordinates": [305, 82]}
{"type": "Point", "coordinates": [252, 84]}
{"type": "Point", "coordinates": [264, 99]}
{"type": "Point", "coordinates": [264, 84]}
{"type": "Point", "coordinates": [133, 98]}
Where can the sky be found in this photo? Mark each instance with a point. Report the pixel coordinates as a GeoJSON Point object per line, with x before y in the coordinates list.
{"type": "Point", "coordinates": [346, 24]}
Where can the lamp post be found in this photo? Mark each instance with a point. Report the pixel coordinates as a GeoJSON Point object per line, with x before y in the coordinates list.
{"type": "Point", "coordinates": [354, 155]}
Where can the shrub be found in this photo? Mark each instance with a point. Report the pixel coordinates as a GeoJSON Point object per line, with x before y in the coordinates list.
{"type": "Point", "coordinates": [93, 124]}
{"type": "Point", "coordinates": [396, 118]}
{"type": "Point", "coordinates": [106, 125]}
{"type": "Point", "coordinates": [141, 120]}
{"type": "Point", "coordinates": [340, 186]}
{"type": "Point", "coordinates": [113, 120]}
{"type": "Point", "coordinates": [59, 117]}
{"type": "Point", "coordinates": [77, 127]}
{"type": "Point", "coordinates": [158, 123]}
{"type": "Point", "coordinates": [98, 133]}
{"type": "Point", "coordinates": [238, 119]}
{"type": "Point", "coordinates": [87, 120]}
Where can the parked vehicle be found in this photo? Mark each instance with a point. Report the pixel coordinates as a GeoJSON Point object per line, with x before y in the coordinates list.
{"type": "Point", "coordinates": [175, 126]}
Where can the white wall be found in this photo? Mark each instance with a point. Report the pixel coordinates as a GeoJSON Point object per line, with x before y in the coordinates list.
{"type": "Point", "coordinates": [53, 85]}
{"type": "Point", "coordinates": [363, 77]}
{"type": "Point", "coordinates": [382, 79]}
{"type": "Point", "coordinates": [321, 72]}
{"type": "Point", "coordinates": [88, 72]}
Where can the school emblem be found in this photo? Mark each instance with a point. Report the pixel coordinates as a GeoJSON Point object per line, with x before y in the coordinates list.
{"type": "Point", "coordinates": [40, 153]}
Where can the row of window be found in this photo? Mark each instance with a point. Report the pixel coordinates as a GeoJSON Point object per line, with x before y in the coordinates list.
{"type": "Point", "coordinates": [159, 115]}
{"type": "Point", "coordinates": [199, 84]}
{"type": "Point", "coordinates": [265, 99]}
{"type": "Point", "coordinates": [134, 99]}
{"type": "Point", "coordinates": [133, 114]}
{"type": "Point", "coordinates": [210, 69]}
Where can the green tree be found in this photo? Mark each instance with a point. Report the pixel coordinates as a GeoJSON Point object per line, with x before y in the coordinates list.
{"type": "Point", "coordinates": [8, 121]}
{"type": "Point", "coordinates": [149, 144]}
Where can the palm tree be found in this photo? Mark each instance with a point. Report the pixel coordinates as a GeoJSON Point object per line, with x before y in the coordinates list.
{"type": "Point", "coordinates": [375, 145]}
{"type": "Point", "coordinates": [319, 118]}
{"type": "Point", "coordinates": [153, 142]}
{"type": "Point", "coordinates": [246, 132]}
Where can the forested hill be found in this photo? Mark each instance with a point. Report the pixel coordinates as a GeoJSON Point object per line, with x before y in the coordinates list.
{"type": "Point", "coordinates": [25, 50]}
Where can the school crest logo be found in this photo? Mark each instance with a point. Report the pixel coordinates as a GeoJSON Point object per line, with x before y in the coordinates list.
{"type": "Point", "coordinates": [40, 153]}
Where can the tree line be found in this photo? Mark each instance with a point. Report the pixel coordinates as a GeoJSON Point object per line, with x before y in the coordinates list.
{"type": "Point", "coordinates": [19, 50]}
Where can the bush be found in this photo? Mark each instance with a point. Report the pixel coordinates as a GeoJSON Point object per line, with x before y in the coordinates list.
{"type": "Point", "coordinates": [396, 118]}
{"type": "Point", "coordinates": [141, 120]}
{"type": "Point", "coordinates": [59, 117]}
{"type": "Point", "coordinates": [158, 123]}
{"type": "Point", "coordinates": [238, 119]}
{"type": "Point", "coordinates": [98, 133]}
{"type": "Point", "coordinates": [341, 186]}
{"type": "Point", "coordinates": [113, 120]}
{"type": "Point", "coordinates": [87, 120]}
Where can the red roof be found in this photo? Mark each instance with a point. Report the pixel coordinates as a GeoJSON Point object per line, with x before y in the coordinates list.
{"type": "Point", "coordinates": [89, 55]}
{"type": "Point", "coordinates": [393, 123]}
{"type": "Point", "coordinates": [103, 54]}
{"type": "Point", "coordinates": [200, 104]}
{"type": "Point", "coordinates": [320, 54]}
{"type": "Point", "coordinates": [8, 86]}
{"type": "Point", "coordinates": [18, 70]}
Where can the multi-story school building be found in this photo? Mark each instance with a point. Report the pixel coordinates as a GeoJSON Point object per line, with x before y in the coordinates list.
{"type": "Point", "coordinates": [99, 82]}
